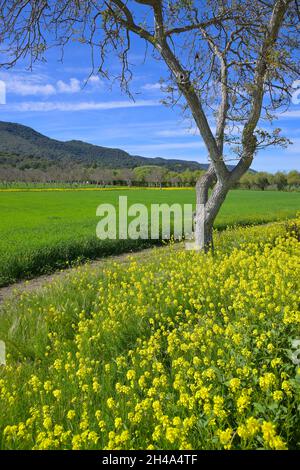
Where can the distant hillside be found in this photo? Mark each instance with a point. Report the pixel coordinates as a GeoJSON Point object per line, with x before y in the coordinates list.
{"type": "Point", "coordinates": [23, 147]}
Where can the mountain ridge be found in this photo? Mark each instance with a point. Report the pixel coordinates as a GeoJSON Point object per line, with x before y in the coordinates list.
{"type": "Point", "coordinates": [22, 146]}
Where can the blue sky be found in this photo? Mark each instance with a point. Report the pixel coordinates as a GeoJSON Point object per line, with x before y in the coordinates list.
{"type": "Point", "coordinates": [55, 99]}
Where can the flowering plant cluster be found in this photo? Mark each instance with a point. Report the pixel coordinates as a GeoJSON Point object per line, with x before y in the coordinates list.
{"type": "Point", "coordinates": [179, 351]}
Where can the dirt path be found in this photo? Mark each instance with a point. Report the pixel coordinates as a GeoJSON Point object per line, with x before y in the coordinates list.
{"type": "Point", "coordinates": [40, 282]}
{"type": "Point", "coordinates": [15, 290]}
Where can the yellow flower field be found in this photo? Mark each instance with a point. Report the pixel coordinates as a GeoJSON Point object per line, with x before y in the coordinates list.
{"type": "Point", "coordinates": [180, 351]}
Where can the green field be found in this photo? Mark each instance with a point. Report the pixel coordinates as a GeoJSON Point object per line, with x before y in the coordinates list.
{"type": "Point", "coordinates": [173, 350]}
{"type": "Point", "coordinates": [43, 231]}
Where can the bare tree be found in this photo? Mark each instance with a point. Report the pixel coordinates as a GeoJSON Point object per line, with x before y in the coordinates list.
{"type": "Point", "coordinates": [96, 176]}
{"type": "Point", "coordinates": [126, 175]}
{"type": "Point", "coordinates": [107, 176]}
{"type": "Point", "coordinates": [229, 64]}
{"type": "Point", "coordinates": [156, 175]}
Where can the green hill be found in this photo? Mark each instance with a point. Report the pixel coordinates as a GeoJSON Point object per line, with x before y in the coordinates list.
{"type": "Point", "coordinates": [23, 147]}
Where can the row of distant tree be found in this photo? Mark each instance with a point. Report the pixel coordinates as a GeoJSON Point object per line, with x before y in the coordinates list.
{"type": "Point", "coordinates": [142, 176]}
{"type": "Point", "coordinates": [263, 180]}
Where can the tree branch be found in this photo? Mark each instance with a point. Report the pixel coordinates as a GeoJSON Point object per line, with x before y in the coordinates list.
{"type": "Point", "coordinates": [187, 89]}
{"type": "Point", "coordinates": [129, 21]}
{"type": "Point", "coordinates": [249, 140]}
{"type": "Point", "coordinates": [223, 108]}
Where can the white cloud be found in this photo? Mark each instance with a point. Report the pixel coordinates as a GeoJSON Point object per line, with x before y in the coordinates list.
{"type": "Point", "coordinates": [94, 79]}
{"type": "Point", "coordinates": [46, 106]}
{"type": "Point", "coordinates": [178, 132]}
{"type": "Point", "coordinates": [30, 89]}
{"type": "Point", "coordinates": [92, 83]}
{"type": "Point", "coordinates": [31, 84]}
{"type": "Point", "coordinates": [72, 87]}
{"type": "Point", "coordinates": [290, 114]}
{"type": "Point", "coordinates": [182, 131]}
{"type": "Point", "coordinates": [151, 86]}
{"type": "Point", "coordinates": [27, 84]}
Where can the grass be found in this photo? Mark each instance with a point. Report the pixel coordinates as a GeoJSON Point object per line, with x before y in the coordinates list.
{"type": "Point", "coordinates": [180, 350]}
{"type": "Point", "coordinates": [46, 230]}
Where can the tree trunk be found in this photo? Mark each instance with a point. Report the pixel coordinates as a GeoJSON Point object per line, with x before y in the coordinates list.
{"type": "Point", "coordinates": [207, 209]}
{"type": "Point", "coordinates": [203, 230]}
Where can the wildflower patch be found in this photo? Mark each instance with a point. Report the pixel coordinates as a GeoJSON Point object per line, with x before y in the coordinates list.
{"type": "Point", "coordinates": [182, 351]}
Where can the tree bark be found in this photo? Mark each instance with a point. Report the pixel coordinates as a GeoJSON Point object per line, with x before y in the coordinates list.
{"type": "Point", "coordinates": [203, 233]}
{"type": "Point", "coordinates": [207, 208]}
